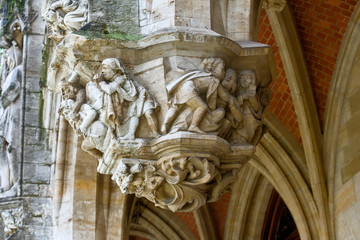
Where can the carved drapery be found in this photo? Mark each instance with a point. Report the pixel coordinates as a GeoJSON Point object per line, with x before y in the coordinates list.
{"type": "Point", "coordinates": [174, 128]}
{"type": "Point", "coordinates": [64, 17]}
{"type": "Point", "coordinates": [10, 106]}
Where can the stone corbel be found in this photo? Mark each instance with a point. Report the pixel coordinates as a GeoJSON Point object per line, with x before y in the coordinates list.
{"type": "Point", "coordinates": [177, 150]}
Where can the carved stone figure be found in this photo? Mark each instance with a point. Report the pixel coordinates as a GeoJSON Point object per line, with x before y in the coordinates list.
{"type": "Point", "coordinates": [112, 107]}
{"type": "Point", "coordinates": [186, 92]}
{"type": "Point", "coordinates": [65, 15]}
{"type": "Point", "coordinates": [248, 107]}
{"type": "Point", "coordinates": [125, 90]}
{"type": "Point", "coordinates": [10, 117]}
{"type": "Point", "coordinates": [214, 121]}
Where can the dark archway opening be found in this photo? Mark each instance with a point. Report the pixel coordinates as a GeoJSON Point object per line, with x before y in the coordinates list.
{"type": "Point", "coordinates": [278, 222]}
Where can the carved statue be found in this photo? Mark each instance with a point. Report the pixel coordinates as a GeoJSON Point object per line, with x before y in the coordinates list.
{"type": "Point", "coordinates": [214, 122]}
{"type": "Point", "coordinates": [109, 107]}
{"type": "Point", "coordinates": [123, 90]}
{"type": "Point", "coordinates": [248, 107]}
{"type": "Point", "coordinates": [9, 117]}
{"type": "Point", "coordinates": [65, 15]}
{"type": "Point", "coordinates": [83, 117]}
{"type": "Point", "coordinates": [186, 92]}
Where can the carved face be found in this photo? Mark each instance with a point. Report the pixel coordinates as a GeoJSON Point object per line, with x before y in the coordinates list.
{"type": "Point", "coordinates": [68, 91]}
{"type": "Point", "coordinates": [246, 80]}
{"type": "Point", "coordinates": [229, 80]}
{"type": "Point", "coordinates": [50, 16]}
{"type": "Point", "coordinates": [219, 69]}
{"type": "Point", "coordinates": [216, 66]}
{"type": "Point", "coordinates": [108, 71]}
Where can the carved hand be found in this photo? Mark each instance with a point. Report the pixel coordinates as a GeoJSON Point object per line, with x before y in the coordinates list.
{"type": "Point", "coordinates": [98, 77]}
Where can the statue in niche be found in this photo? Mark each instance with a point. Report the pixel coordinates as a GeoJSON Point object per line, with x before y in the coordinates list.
{"type": "Point", "coordinates": [247, 109]}
{"type": "Point", "coordinates": [195, 95]}
{"type": "Point", "coordinates": [10, 117]}
{"type": "Point", "coordinates": [65, 15]}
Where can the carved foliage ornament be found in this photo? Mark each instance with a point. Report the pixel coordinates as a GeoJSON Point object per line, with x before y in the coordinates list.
{"type": "Point", "coordinates": [211, 127]}
{"type": "Point", "coordinates": [12, 220]}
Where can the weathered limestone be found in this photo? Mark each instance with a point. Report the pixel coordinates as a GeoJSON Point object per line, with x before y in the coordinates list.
{"type": "Point", "coordinates": [189, 123]}
{"type": "Point", "coordinates": [64, 16]}
{"type": "Point", "coordinates": [25, 156]}
{"type": "Point", "coordinates": [10, 113]}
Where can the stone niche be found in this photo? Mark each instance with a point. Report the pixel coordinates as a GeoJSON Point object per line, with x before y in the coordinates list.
{"type": "Point", "coordinates": [173, 116]}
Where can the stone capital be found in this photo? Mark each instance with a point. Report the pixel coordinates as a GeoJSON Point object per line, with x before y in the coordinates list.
{"type": "Point", "coordinates": [174, 124]}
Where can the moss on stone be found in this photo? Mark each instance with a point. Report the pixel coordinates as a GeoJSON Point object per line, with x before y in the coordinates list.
{"type": "Point", "coordinates": [43, 78]}
{"type": "Point", "coordinates": [11, 6]}
{"type": "Point", "coordinates": [106, 32]}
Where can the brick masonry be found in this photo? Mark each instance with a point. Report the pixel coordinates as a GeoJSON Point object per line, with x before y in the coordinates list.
{"type": "Point", "coordinates": [281, 102]}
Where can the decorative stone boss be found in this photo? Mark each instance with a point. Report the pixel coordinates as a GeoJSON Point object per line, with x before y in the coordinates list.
{"type": "Point", "coordinates": [213, 122]}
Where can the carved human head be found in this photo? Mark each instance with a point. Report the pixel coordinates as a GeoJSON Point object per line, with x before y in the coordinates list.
{"type": "Point", "coordinates": [216, 66]}
{"type": "Point", "coordinates": [247, 78]}
{"type": "Point", "coordinates": [50, 16]}
{"type": "Point", "coordinates": [111, 67]}
{"type": "Point", "coordinates": [229, 82]}
{"type": "Point", "coordinates": [68, 91]}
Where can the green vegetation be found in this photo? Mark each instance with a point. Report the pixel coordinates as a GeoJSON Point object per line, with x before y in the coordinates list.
{"type": "Point", "coordinates": [110, 35]}
{"type": "Point", "coordinates": [43, 78]}
{"type": "Point", "coordinates": [9, 7]}
{"type": "Point", "coordinates": [105, 32]}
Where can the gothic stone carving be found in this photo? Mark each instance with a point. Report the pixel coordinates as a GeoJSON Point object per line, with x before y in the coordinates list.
{"type": "Point", "coordinates": [64, 16]}
{"type": "Point", "coordinates": [10, 112]}
{"type": "Point", "coordinates": [12, 220]}
{"type": "Point", "coordinates": [213, 123]}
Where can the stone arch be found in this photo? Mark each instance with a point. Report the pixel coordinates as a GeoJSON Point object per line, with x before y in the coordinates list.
{"type": "Point", "coordinates": [280, 160]}
{"type": "Point", "coordinates": [152, 222]}
{"type": "Point", "coordinates": [340, 137]}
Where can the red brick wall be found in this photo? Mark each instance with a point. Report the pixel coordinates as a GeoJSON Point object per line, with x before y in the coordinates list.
{"type": "Point", "coordinates": [321, 26]}
{"type": "Point", "coordinates": [189, 220]}
{"type": "Point", "coordinates": [219, 212]}
{"type": "Point", "coordinates": [281, 103]}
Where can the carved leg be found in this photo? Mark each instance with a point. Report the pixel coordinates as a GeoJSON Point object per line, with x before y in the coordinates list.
{"type": "Point", "coordinates": [152, 122]}
{"type": "Point", "coordinates": [89, 147]}
{"type": "Point", "coordinates": [4, 178]}
{"type": "Point", "coordinates": [169, 118]}
{"type": "Point", "coordinates": [12, 157]}
{"type": "Point", "coordinates": [90, 117]}
{"type": "Point", "coordinates": [200, 109]}
{"type": "Point", "coordinates": [134, 123]}
{"type": "Point", "coordinates": [4, 170]}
